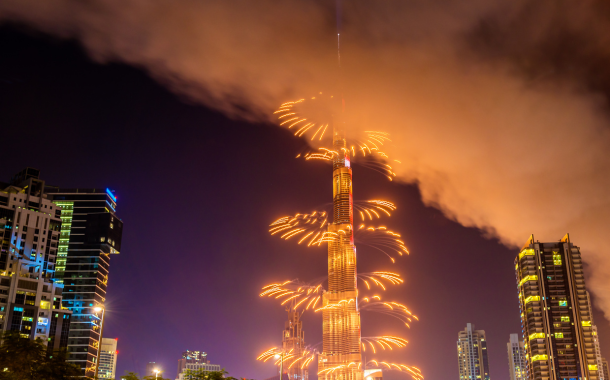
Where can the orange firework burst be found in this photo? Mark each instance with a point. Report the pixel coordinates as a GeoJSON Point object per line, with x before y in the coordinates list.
{"type": "Point", "coordinates": [413, 371]}
{"type": "Point", "coordinates": [394, 309]}
{"type": "Point", "coordinates": [383, 342]}
{"type": "Point", "coordinates": [290, 357]}
{"type": "Point", "coordinates": [298, 294]}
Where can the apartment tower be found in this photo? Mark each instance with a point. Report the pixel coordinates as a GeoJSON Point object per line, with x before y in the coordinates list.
{"type": "Point", "coordinates": [555, 312]}
{"type": "Point", "coordinates": [341, 323]}
{"type": "Point", "coordinates": [472, 354]}
{"type": "Point", "coordinates": [517, 362]}
{"type": "Point", "coordinates": [90, 233]}
{"type": "Point", "coordinates": [108, 356]}
{"type": "Point", "coordinates": [30, 298]}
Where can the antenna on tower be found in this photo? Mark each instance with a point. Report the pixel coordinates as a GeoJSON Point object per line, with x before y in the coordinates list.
{"type": "Point", "coordinates": [339, 54]}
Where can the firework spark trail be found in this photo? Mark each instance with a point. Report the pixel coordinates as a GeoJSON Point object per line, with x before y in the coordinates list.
{"type": "Point", "coordinates": [312, 228]}
{"type": "Point", "coordinates": [374, 209]}
{"type": "Point", "coordinates": [384, 342]}
{"type": "Point", "coordinates": [290, 358]}
{"type": "Point", "coordinates": [374, 277]}
{"type": "Point", "coordinates": [306, 224]}
{"type": "Point", "coordinates": [413, 371]}
{"type": "Point", "coordinates": [292, 116]}
{"type": "Point", "coordinates": [303, 295]}
{"type": "Point", "coordinates": [394, 309]}
{"type": "Point", "coordinates": [381, 239]}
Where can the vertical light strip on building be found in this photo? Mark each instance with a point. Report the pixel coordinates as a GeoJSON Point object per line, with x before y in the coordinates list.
{"type": "Point", "coordinates": [67, 209]}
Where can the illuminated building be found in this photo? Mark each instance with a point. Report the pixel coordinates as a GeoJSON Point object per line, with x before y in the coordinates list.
{"type": "Point", "coordinates": [191, 357]}
{"type": "Point", "coordinates": [598, 355]}
{"type": "Point", "coordinates": [197, 367]}
{"type": "Point", "coordinates": [90, 233]}
{"type": "Point", "coordinates": [472, 354]}
{"type": "Point", "coordinates": [341, 321]}
{"type": "Point", "coordinates": [108, 356]}
{"type": "Point", "coordinates": [555, 312]}
{"type": "Point", "coordinates": [30, 299]}
{"type": "Point", "coordinates": [516, 358]}
{"type": "Point", "coordinates": [605, 371]}
{"type": "Point", "coordinates": [293, 341]}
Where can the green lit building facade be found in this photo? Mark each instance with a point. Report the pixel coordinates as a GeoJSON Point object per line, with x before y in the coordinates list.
{"type": "Point", "coordinates": [90, 233]}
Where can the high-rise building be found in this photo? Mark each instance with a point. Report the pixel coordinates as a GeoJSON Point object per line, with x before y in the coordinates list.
{"type": "Point", "coordinates": [472, 354]}
{"type": "Point", "coordinates": [517, 362]}
{"type": "Point", "coordinates": [108, 356]}
{"type": "Point", "coordinates": [30, 299]}
{"type": "Point", "coordinates": [555, 312]}
{"type": "Point", "coordinates": [293, 341]}
{"type": "Point", "coordinates": [598, 355]}
{"type": "Point", "coordinates": [605, 371]}
{"type": "Point", "coordinates": [341, 323]}
{"type": "Point", "coordinates": [191, 357]}
{"type": "Point", "coordinates": [90, 233]}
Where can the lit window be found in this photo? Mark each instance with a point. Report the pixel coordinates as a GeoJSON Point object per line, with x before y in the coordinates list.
{"type": "Point", "coordinates": [558, 335]}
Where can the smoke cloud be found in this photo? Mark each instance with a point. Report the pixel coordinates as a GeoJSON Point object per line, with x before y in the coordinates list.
{"type": "Point", "coordinates": [498, 110]}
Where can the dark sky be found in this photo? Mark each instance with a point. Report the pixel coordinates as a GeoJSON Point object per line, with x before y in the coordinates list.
{"type": "Point", "coordinates": [196, 192]}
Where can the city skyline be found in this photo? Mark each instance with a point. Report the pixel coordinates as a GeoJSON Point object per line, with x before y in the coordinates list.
{"type": "Point", "coordinates": [115, 118]}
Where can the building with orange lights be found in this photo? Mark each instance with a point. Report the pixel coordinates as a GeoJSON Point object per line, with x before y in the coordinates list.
{"type": "Point", "coordinates": [341, 317]}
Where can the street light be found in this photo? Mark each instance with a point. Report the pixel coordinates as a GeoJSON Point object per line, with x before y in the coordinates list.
{"type": "Point", "coordinates": [156, 371]}
{"type": "Point", "coordinates": [281, 356]}
{"type": "Point", "coordinates": [97, 309]}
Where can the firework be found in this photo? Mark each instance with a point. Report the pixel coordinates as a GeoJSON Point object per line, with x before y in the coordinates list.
{"type": "Point", "coordinates": [304, 120]}
{"type": "Point", "coordinates": [374, 209]}
{"type": "Point", "coordinates": [413, 371]}
{"type": "Point", "coordinates": [381, 239]}
{"type": "Point", "coordinates": [307, 227]}
{"type": "Point", "coordinates": [298, 294]}
{"type": "Point", "coordinates": [377, 278]}
{"type": "Point", "coordinates": [383, 342]}
{"type": "Point", "coordinates": [290, 358]}
{"type": "Point", "coordinates": [394, 309]}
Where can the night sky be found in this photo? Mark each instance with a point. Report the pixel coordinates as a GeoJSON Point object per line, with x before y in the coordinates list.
{"type": "Point", "coordinates": [196, 192]}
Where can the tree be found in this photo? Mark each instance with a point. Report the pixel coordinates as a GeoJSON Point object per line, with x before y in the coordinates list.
{"type": "Point", "coordinates": [25, 359]}
{"type": "Point", "coordinates": [201, 374]}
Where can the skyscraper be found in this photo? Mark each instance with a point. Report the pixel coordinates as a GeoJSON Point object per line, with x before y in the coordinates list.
{"type": "Point", "coordinates": [293, 341]}
{"type": "Point", "coordinates": [108, 356]}
{"type": "Point", "coordinates": [598, 355]}
{"type": "Point", "coordinates": [555, 311]}
{"type": "Point", "coordinates": [605, 371]}
{"type": "Point", "coordinates": [341, 323]}
{"type": "Point", "coordinates": [517, 362]}
{"type": "Point", "coordinates": [30, 299]}
{"type": "Point", "coordinates": [472, 354]}
{"type": "Point", "coordinates": [90, 233]}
